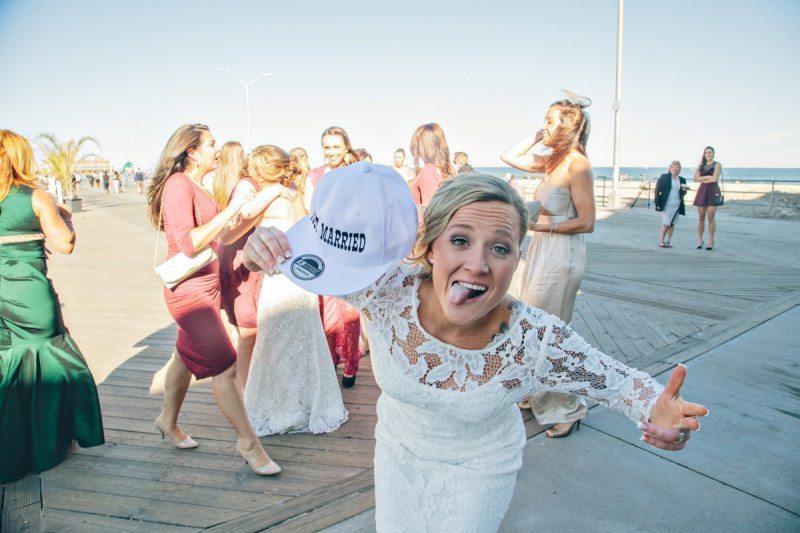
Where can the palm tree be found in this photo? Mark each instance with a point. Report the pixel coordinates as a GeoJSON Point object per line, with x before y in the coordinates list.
{"type": "Point", "coordinates": [60, 157]}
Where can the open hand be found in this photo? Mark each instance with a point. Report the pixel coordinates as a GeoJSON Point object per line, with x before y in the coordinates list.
{"type": "Point", "coordinates": [265, 248]}
{"type": "Point", "coordinates": [672, 419]}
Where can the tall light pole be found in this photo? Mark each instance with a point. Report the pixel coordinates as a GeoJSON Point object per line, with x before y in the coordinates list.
{"type": "Point", "coordinates": [174, 114]}
{"type": "Point", "coordinates": [247, 98]}
{"type": "Point", "coordinates": [133, 137]}
{"type": "Point", "coordinates": [615, 202]}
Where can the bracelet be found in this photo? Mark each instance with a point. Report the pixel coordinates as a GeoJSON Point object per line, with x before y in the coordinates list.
{"type": "Point", "coordinates": [553, 228]}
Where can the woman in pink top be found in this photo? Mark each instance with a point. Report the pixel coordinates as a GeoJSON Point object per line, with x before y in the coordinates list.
{"type": "Point", "coordinates": [429, 144]}
{"type": "Point", "coordinates": [192, 220]}
{"type": "Point", "coordinates": [342, 321]}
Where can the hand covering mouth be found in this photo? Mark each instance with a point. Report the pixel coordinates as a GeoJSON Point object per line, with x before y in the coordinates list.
{"type": "Point", "coordinates": [461, 291]}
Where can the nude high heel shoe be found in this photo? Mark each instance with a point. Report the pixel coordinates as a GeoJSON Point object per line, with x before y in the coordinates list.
{"type": "Point", "coordinates": [185, 444]}
{"type": "Point", "coordinates": [269, 469]}
{"type": "Point", "coordinates": [565, 432]}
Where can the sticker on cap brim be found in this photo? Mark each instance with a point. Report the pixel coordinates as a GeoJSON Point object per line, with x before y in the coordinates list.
{"type": "Point", "coordinates": [308, 267]}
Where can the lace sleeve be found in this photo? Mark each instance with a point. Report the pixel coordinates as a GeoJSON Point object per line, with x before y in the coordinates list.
{"type": "Point", "coordinates": [390, 279]}
{"type": "Point", "coordinates": [567, 363]}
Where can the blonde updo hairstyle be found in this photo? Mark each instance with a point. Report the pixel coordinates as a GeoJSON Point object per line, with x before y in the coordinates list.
{"type": "Point", "coordinates": [270, 164]}
{"type": "Point", "coordinates": [453, 195]}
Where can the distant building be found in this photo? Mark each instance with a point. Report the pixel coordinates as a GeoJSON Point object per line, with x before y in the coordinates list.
{"type": "Point", "coordinates": [92, 165]}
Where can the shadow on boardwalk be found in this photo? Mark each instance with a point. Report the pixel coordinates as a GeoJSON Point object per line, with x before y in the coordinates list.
{"type": "Point", "coordinates": [646, 306]}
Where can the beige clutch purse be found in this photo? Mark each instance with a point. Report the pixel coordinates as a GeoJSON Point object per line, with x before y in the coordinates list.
{"type": "Point", "coordinates": [177, 269]}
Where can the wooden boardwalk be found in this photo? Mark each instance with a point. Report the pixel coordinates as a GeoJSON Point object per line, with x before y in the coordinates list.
{"type": "Point", "coordinates": [647, 306]}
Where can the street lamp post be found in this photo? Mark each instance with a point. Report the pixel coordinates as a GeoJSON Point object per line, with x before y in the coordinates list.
{"type": "Point", "coordinates": [615, 192]}
{"type": "Point", "coordinates": [247, 98]}
{"type": "Point", "coordinates": [174, 114]}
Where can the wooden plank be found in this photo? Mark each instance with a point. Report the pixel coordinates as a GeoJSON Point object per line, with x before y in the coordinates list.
{"type": "Point", "coordinates": [22, 519]}
{"type": "Point", "coordinates": [265, 518]}
{"type": "Point", "coordinates": [695, 345]}
{"type": "Point", "coordinates": [278, 452]}
{"type": "Point", "coordinates": [62, 521]}
{"type": "Point", "coordinates": [330, 514]}
{"type": "Point", "coordinates": [345, 439]}
{"type": "Point", "coordinates": [241, 479]}
{"type": "Point", "coordinates": [22, 493]}
{"type": "Point", "coordinates": [70, 477]}
{"type": "Point", "coordinates": [147, 509]}
{"type": "Point", "coordinates": [605, 344]}
{"type": "Point", "coordinates": [300, 475]}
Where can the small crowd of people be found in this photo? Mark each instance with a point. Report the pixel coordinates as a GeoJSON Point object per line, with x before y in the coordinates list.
{"type": "Point", "coordinates": [412, 265]}
{"type": "Point", "coordinates": [669, 193]}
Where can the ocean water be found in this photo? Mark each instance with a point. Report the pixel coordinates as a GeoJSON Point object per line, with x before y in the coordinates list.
{"type": "Point", "coordinates": [728, 173]}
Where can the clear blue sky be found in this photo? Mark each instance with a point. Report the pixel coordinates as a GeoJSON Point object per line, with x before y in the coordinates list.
{"type": "Point", "coordinates": [719, 72]}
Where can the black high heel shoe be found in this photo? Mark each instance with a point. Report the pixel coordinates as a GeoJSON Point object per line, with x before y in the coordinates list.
{"type": "Point", "coordinates": [348, 381]}
{"type": "Point", "coordinates": [700, 246]}
{"type": "Point", "coordinates": [564, 433]}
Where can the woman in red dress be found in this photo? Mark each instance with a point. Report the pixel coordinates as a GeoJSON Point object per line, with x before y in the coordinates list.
{"type": "Point", "coordinates": [342, 321]}
{"type": "Point", "coordinates": [192, 220]}
{"type": "Point", "coordinates": [240, 287]}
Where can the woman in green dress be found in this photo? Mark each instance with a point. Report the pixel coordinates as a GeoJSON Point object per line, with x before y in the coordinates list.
{"type": "Point", "coordinates": [47, 394]}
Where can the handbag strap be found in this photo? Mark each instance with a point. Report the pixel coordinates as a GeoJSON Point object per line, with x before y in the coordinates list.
{"type": "Point", "coordinates": [721, 181]}
{"type": "Point", "coordinates": [197, 219]}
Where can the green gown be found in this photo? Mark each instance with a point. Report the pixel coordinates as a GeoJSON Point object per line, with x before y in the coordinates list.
{"type": "Point", "coordinates": [47, 393]}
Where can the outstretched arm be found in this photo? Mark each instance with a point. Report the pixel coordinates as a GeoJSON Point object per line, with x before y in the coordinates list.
{"type": "Point", "coordinates": [567, 363]}
{"type": "Point", "coordinates": [251, 211]}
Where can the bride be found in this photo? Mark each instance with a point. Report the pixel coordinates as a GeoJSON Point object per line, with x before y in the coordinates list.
{"type": "Point", "coordinates": [292, 384]}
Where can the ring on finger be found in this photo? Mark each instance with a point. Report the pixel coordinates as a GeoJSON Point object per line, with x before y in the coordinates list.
{"type": "Point", "coordinates": [681, 437]}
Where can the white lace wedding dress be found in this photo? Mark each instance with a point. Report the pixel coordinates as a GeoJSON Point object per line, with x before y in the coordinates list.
{"type": "Point", "coordinates": [292, 385]}
{"type": "Point", "coordinates": [449, 436]}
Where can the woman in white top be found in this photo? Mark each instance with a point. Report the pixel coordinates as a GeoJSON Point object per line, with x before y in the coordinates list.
{"type": "Point", "coordinates": [453, 353]}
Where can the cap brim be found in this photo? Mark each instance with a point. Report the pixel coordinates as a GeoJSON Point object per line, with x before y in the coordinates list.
{"type": "Point", "coordinates": [310, 271]}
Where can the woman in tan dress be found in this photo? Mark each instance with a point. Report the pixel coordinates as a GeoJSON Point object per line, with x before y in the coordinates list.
{"type": "Point", "coordinates": [556, 257]}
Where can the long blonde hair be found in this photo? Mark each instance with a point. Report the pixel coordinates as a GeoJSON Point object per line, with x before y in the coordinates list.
{"type": "Point", "coordinates": [429, 144]}
{"type": "Point", "coordinates": [174, 158]}
{"type": "Point", "coordinates": [231, 170]}
{"type": "Point", "coordinates": [16, 162]}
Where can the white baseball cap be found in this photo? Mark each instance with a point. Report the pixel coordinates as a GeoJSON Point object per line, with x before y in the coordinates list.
{"type": "Point", "coordinates": [362, 220]}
